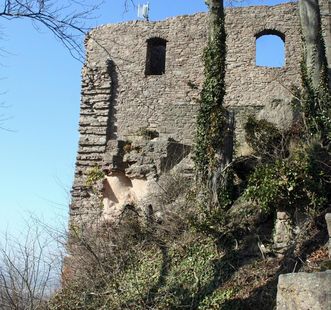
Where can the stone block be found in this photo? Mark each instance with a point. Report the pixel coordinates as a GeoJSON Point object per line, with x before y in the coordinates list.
{"type": "Point", "coordinates": [328, 223]}
{"type": "Point", "coordinates": [283, 232]}
{"type": "Point", "coordinates": [304, 291]}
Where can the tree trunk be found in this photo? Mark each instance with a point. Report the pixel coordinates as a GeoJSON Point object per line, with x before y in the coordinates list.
{"type": "Point", "coordinates": [314, 48]}
{"type": "Point", "coordinates": [218, 178]}
{"type": "Point", "coordinates": [216, 12]}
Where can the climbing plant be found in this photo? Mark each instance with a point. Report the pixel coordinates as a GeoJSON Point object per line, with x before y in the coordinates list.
{"type": "Point", "coordinates": [315, 105]}
{"type": "Point", "coordinates": [212, 119]}
{"type": "Point", "coordinates": [211, 116]}
{"type": "Point", "coordinates": [315, 99]}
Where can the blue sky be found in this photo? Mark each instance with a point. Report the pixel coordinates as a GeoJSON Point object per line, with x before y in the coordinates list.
{"type": "Point", "coordinates": [40, 91]}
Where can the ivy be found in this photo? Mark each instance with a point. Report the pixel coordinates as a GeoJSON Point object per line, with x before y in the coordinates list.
{"type": "Point", "coordinates": [264, 138]}
{"type": "Point", "coordinates": [212, 116]}
{"type": "Point", "coordinates": [300, 177]}
{"type": "Point", "coordinates": [315, 102]}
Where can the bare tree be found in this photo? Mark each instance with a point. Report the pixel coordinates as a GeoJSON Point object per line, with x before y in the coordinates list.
{"type": "Point", "coordinates": [65, 19]}
{"type": "Point", "coordinates": [29, 270]}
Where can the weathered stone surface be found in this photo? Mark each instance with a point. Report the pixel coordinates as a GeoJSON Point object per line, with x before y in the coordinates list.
{"type": "Point", "coordinates": [328, 223]}
{"type": "Point", "coordinates": [168, 102]}
{"type": "Point", "coordinates": [304, 291]}
{"type": "Point", "coordinates": [283, 232]}
{"type": "Point", "coordinates": [279, 112]}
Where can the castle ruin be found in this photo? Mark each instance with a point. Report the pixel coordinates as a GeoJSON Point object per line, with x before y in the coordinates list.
{"type": "Point", "coordinates": [140, 91]}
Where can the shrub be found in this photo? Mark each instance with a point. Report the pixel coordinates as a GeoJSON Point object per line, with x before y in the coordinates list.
{"type": "Point", "coordinates": [300, 181]}
{"type": "Point", "coordinates": [29, 269]}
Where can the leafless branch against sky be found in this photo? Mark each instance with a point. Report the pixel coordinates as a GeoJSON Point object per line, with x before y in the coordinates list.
{"type": "Point", "coordinates": [29, 269]}
{"type": "Point", "coordinates": [68, 21]}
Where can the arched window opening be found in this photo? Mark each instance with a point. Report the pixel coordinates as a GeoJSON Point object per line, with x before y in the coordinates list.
{"type": "Point", "coordinates": [270, 49]}
{"type": "Point", "coordinates": [156, 56]}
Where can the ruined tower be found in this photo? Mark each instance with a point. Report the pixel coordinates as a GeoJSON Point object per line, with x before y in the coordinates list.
{"type": "Point", "coordinates": [140, 92]}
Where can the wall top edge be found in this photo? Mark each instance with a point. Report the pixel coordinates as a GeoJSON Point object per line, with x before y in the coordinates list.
{"type": "Point", "coordinates": [231, 10]}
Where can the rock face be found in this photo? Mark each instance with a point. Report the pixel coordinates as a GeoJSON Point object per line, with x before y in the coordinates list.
{"type": "Point", "coordinates": [304, 291]}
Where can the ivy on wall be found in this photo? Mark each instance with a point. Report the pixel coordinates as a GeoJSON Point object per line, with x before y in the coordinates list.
{"type": "Point", "coordinates": [211, 119]}
{"type": "Point", "coordinates": [315, 104]}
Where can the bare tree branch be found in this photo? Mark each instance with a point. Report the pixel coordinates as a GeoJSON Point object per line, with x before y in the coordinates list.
{"type": "Point", "coordinates": [29, 270]}
{"type": "Point", "coordinates": [66, 21]}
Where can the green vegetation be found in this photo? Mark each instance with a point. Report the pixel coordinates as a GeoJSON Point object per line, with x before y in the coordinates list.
{"type": "Point", "coordinates": [166, 268]}
{"type": "Point", "coordinates": [211, 119]}
{"type": "Point", "coordinates": [314, 104]}
{"type": "Point", "coordinates": [264, 138]}
{"type": "Point", "coordinates": [294, 169]}
{"type": "Point", "coordinates": [93, 175]}
{"type": "Point", "coordinates": [177, 263]}
{"type": "Point", "coordinates": [299, 181]}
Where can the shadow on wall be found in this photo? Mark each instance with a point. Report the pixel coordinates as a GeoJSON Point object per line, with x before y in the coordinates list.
{"type": "Point", "coordinates": [175, 153]}
{"type": "Point", "coordinates": [111, 127]}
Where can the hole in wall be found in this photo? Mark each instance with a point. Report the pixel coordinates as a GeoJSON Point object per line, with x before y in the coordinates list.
{"type": "Point", "coordinates": [270, 49]}
{"type": "Point", "coordinates": [156, 56]}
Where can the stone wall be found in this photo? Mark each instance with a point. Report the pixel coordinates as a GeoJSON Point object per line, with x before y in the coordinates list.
{"type": "Point", "coordinates": [119, 101]}
{"type": "Point", "coordinates": [168, 102]}
{"type": "Point", "coordinates": [136, 127]}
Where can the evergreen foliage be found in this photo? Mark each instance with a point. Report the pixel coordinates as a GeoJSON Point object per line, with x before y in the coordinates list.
{"type": "Point", "coordinates": [212, 116]}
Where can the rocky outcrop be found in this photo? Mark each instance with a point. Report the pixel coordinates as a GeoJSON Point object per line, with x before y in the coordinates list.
{"type": "Point", "coordinates": [133, 168]}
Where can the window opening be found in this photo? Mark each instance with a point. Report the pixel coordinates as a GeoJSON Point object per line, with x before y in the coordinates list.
{"type": "Point", "coordinates": [156, 56]}
{"type": "Point", "coordinates": [270, 49]}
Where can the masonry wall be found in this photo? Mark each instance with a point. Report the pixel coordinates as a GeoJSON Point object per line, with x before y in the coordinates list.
{"type": "Point", "coordinates": [118, 99]}
{"type": "Point", "coordinates": [167, 102]}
